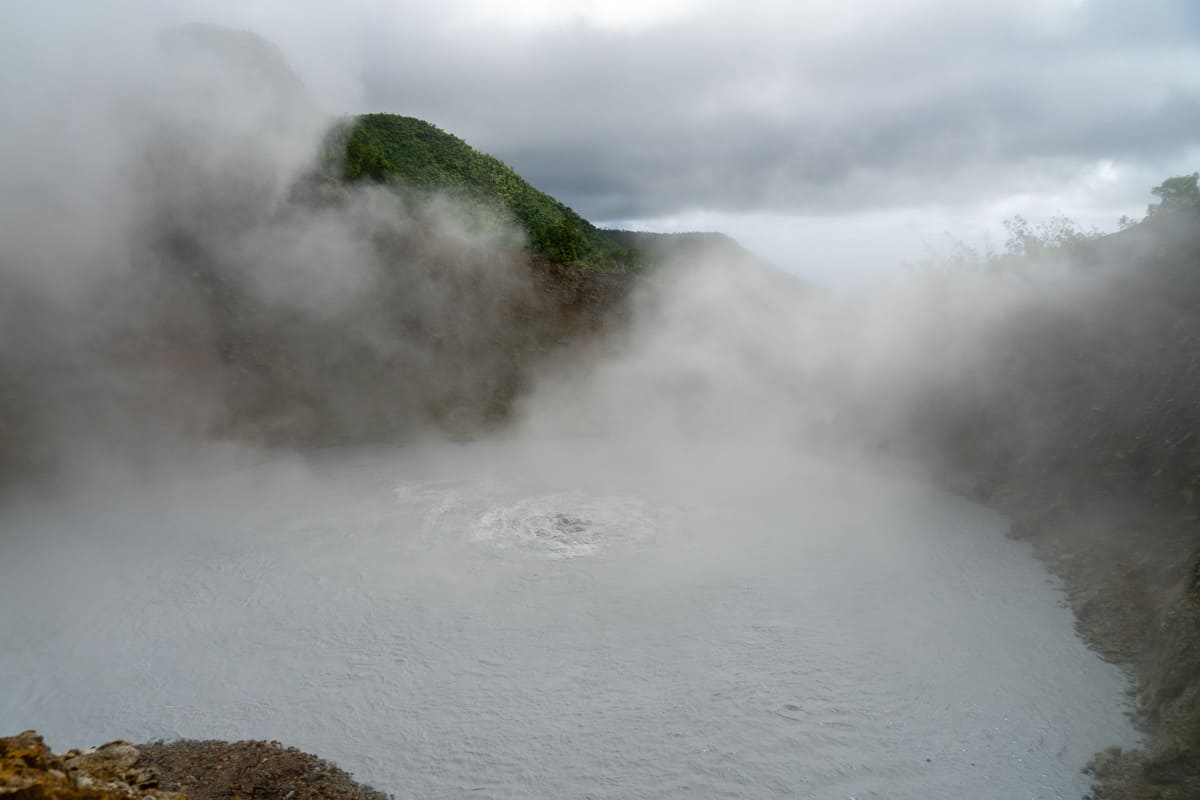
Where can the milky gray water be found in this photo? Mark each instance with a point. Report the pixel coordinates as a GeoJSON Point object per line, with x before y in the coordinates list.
{"type": "Point", "coordinates": [561, 621]}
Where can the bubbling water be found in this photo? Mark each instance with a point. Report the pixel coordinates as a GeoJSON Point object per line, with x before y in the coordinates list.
{"type": "Point", "coordinates": [566, 525]}
{"type": "Point", "coordinates": [563, 622]}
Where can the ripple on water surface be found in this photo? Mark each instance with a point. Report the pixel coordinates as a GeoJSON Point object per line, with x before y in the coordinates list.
{"type": "Point", "coordinates": [566, 524]}
{"type": "Point", "coordinates": [549, 625]}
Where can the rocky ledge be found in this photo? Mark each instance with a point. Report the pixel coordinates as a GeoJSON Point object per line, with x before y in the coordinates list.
{"type": "Point", "coordinates": [119, 770]}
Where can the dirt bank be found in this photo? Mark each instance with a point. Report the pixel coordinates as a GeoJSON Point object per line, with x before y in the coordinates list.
{"type": "Point", "coordinates": [1132, 581]}
{"type": "Point", "coordinates": [1086, 434]}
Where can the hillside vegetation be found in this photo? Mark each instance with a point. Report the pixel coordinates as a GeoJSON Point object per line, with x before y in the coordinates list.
{"type": "Point", "coordinates": [412, 153]}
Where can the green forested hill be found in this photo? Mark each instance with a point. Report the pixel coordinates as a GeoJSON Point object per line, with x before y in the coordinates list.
{"type": "Point", "coordinates": [389, 148]}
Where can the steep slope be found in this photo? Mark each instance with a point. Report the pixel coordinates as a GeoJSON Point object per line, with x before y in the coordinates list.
{"type": "Point", "coordinates": [1082, 425]}
{"type": "Point", "coordinates": [409, 152]}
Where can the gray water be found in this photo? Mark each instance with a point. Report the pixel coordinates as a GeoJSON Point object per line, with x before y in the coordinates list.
{"type": "Point", "coordinates": [561, 621]}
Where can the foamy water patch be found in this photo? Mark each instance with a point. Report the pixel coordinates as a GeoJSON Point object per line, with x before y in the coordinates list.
{"type": "Point", "coordinates": [534, 626]}
{"type": "Point", "coordinates": [567, 524]}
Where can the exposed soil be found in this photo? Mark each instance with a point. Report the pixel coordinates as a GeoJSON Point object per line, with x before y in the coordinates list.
{"type": "Point", "coordinates": [209, 770]}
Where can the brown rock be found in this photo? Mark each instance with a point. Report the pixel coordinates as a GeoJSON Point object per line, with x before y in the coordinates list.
{"type": "Point", "coordinates": [29, 770]}
{"type": "Point", "coordinates": [26, 748]}
{"type": "Point", "coordinates": [209, 770]}
{"type": "Point", "coordinates": [107, 762]}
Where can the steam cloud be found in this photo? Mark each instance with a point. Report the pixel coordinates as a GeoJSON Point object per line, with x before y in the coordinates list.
{"type": "Point", "coordinates": [185, 285]}
{"type": "Point", "coordinates": [180, 269]}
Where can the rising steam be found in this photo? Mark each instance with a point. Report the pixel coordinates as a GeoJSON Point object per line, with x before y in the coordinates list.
{"type": "Point", "coordinates": [182, 265]}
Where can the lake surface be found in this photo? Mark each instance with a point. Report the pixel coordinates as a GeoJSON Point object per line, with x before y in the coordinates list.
{"type": "Point", "coordinates": [561, 621]}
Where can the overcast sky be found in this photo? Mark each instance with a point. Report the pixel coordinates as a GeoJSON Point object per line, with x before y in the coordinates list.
{"type": "Point", "coordinates": [837, 137]}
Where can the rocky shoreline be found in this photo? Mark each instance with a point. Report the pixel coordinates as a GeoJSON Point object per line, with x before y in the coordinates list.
{"type": "Point", "coordinates": [1080, 424]}
{"type": "Point", "coordinates": [1135, 593]}
{"type": "Point", "coordinates": [197, 770]}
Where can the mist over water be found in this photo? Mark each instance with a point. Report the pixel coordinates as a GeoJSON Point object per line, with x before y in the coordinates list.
{"type": "Point", "coordinates": [566, 619]}
{"type": "Point", "coordinates": [680, 557]}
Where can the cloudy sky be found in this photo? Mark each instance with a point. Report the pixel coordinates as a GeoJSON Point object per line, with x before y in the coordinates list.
{"type": "Point", "coordinates": [837, 137]}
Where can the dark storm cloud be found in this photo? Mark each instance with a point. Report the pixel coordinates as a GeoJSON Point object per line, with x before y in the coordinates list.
{"type": "Point", "coordinates": [764, 106]}
{"type": "Point", "coordinates": [815, 108]}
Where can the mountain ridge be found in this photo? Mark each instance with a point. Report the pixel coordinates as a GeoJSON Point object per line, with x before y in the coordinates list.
{"type": "Point", "coordinates": [410, 153]}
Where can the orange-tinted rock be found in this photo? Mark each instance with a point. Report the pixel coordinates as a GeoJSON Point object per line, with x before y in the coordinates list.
{"type": "Point", "coordinates": [29, 770]}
